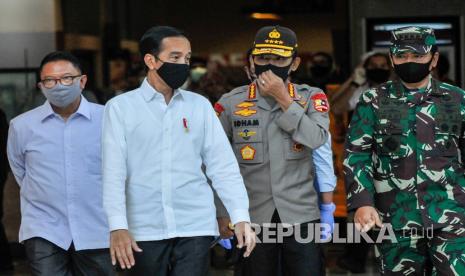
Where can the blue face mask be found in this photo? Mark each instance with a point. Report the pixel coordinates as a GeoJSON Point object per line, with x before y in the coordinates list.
{"type": "Point", "coordinates": [63, 95]}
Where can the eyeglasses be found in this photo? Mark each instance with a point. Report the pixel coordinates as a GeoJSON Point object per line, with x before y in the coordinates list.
{"type": "Point", "coordinates": [67, 81]}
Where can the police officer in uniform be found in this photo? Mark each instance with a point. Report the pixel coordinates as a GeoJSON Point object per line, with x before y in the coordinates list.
{"type": "Point", "coordinates": [274, 126]}
{"type": "Point", "coordinates": [404, 162]}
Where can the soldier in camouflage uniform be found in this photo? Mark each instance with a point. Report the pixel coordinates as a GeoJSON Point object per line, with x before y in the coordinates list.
{"type": "Point", "coordinates": [274, 126]}
{"type": "Point", "coordinates": [404, 162]}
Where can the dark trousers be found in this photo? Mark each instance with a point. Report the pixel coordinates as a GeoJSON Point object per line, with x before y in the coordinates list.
{"type": "Point", "coordinates": [45, 258]}
{"type": "Point", "coordinates": [287, 258]}
{"type": "Point", "coordinates": [5, 259]}
{"type": "Point", "coordinates": [173, 257]}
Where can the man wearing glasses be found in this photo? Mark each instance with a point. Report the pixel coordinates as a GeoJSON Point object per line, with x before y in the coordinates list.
{"type": "Point", "coordinates": [54, 153]}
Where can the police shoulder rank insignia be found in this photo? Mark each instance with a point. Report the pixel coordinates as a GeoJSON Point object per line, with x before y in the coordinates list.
{"type": "Point", "coordinates": [320, 102]}
{"type": "Point", "coordinates": [291, 90]}
{"type": "Point", "coordinates": [248, 152]}
{"type": "Point", "coordinates": [252, 92]}
{"type": "Point", "coordinates": [245, 112]}
{"type": "Point", "coordinates": [218, 109]}
{"type": "Point", "coordinates": [246, 134]}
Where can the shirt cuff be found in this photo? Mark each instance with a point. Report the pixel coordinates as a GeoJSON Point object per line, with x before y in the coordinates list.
{"type": "Point", "coordinates": [326, 188]}
{"type": "Point", "coordinates": [328, 185]}
{"type": "Point", "coordinates": [358, 200]}
{"type": "Point", "coordinates": [117, 223]}
{"type": "Point", "coordinates": [289, 120]}
{"type": "Point", "coordinates": [239, 215]}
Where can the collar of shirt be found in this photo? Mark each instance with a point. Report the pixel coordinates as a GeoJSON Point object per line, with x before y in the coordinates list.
{"type": "Point", "coordinates": [149, 92]}
{"type": "Point", "coordinates": [84, 109]}
{"type": "Point", "coordinates": [419, 90]}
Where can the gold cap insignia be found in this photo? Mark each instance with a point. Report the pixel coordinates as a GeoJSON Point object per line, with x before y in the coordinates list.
{"type": "Point", "coordinates": [274, 34]}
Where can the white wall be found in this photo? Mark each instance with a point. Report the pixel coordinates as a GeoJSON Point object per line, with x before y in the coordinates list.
{"type": "Point", "coordinates": [27, 31]}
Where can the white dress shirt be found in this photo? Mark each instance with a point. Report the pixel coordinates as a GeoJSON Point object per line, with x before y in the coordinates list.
{"type": "Point", "coordinates": [152, 158]}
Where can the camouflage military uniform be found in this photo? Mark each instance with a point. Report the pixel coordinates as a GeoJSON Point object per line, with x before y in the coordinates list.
{"type": "Point", "coordinates": [404, 154]}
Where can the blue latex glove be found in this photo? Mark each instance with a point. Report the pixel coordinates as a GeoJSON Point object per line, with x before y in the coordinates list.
{"type": "Point", "coordinates": [226, 243]}
{"type": "Point", "coordinates": [327, 217]}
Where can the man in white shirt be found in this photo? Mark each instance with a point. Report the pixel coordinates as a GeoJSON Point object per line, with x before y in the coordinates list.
{"type": "Point", "coordinates": [155, 140]}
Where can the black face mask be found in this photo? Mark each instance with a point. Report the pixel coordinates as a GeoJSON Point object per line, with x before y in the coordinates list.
{"type": "Point", "coordinates": [320, 70]}
{"type": "Point", "coordinates": [282, 72]}
{"type": "Point", "coordinates": [412, 72]}
{"type": "Point", "coordinates": [173, 74]}
{"type": "Point", "coordinates": [378, 75]}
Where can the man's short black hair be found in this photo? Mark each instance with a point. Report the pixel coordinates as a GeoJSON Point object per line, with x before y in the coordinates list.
{"type": "Point", "coordinates": [61, 55]}
{"type": "Point", "coordinates": [150, 43]}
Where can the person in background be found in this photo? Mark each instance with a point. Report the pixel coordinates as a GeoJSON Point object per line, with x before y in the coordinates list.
{"type": "Point", "coordinates": [54, 153]}
{"type": "Point", "coordinates": [198, 69]}
{"type": "Point", "coordinates": [6, 262]}
{"type": "Point", "coordinates": [441, 72]}
{"type": "Point", "coordinates": [322, 71]}
{"type": "Point", "coordinates": [118, 73]}
{"type": "Point", "coordinates": [373, 70]}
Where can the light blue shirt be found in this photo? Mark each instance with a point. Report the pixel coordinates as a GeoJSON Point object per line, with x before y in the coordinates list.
{"type": "Point", "coordinates": [57, 165]}
{"type": "Point", "coordinates": [325, 180]}
{"type": "Point", "coordinates": [153, 153]}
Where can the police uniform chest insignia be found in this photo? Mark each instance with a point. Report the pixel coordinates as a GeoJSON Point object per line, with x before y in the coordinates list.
{"type": "Point", "coordinates": [246, 134]}
{"type": "Point", "coordinates": [245, 105]}
{"type": "Point", "coordinates": [297, 147]}
{"type": "Point", "coordinates": [248, 152]}
{"type": "Point", "coordinates": [246, 123]}
{"type": "Point", "coordinates": [320, 102]}
{"type": "Point", "coordinates": [245, 112]}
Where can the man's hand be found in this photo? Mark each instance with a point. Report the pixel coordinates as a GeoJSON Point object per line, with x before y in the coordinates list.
{"type": "Point", "coordinates": [359, 76]}
{"type": "Point", "coordinates": [365, 218]}
{"type": "Point", "coordinates": [245, 237]}
{"type": "Point", "coordinates": [273, 86]}
{"type": "Point", "coordinates": [223, 225]}
{"type": "Point", "coordinates": [121, 246]}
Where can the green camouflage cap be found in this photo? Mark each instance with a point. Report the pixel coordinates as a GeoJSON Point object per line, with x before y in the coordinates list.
{"type": "Point", "coordinates": [412, 39]}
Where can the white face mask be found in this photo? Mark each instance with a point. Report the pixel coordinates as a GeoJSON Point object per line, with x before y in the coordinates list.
{"type": "Point", "coordinates": [62, 95]}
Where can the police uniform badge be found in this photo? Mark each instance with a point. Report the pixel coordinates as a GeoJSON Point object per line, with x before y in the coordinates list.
{"type": "Point", "coordinates": [248, 152]}
{"type": "Point", "coordinates": [320, 102]}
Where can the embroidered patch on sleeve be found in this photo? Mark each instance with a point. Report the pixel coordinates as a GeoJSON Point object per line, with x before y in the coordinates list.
{"type": "Point", "coordinates": [320, 102]}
